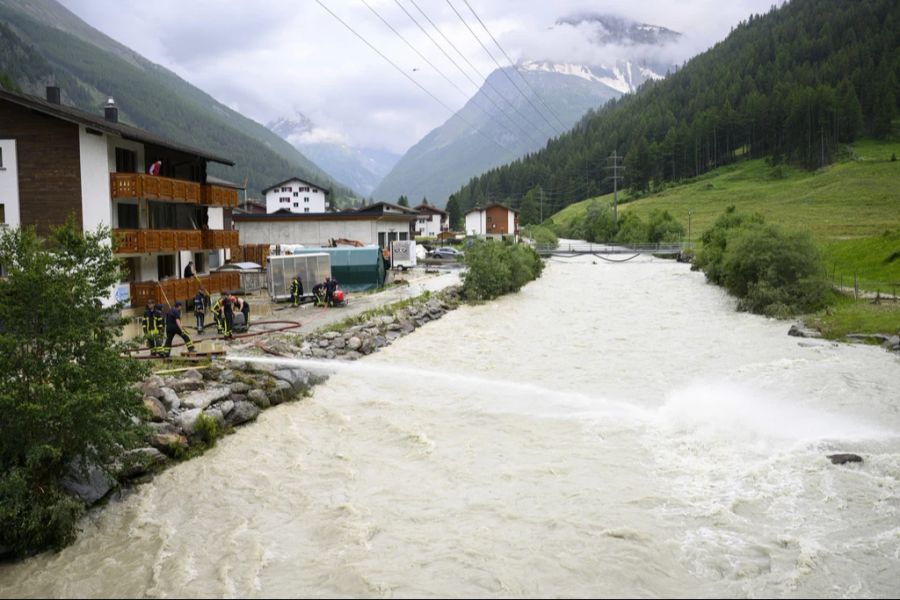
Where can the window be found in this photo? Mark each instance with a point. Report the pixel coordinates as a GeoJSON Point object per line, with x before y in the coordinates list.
{"type": "Point", "coordinates": [199, 262]}
{"type": "Point", "coordinates": [132, 270]}
{"type": "Point", "coordinates": [128, 215]}
{"type": "Point", "coordinates": [305, 210]}
{"type": "Point", "coordinates": [296, 205]}
{"type": "Point", "coordinates": [1, 158]}
{"type": "Point", "coordinates": [2, 214]}
{"type": "Point", "coordinates": [165, 266]}
{"type": "Point", "coordinates": [381, 239]}
{"type": "Point", "coordinates": [214, 259]}
{"type": "Point", "coordinates": [126, 161]}
{"type": "Point", "coordinates": [315, 191]}
{"type": "Point", "coordinates": [286, 200]}
{"type": "Point", "coordinates": [403, 235]}
{"type": "Point", "coordinates": [306, 199]}
{"type": "Point", "coordinates": [296, 194]}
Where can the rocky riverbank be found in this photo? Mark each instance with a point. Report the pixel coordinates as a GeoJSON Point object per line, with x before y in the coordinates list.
{"type": "Point", "coordinates": [891, 343]}
{"type": "Point", "coordinates": [189, 409]}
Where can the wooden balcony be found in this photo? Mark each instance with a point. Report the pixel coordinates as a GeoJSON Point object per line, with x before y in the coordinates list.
{"type": "Point", "coordinates": [143, 241]}
{"type": "Point", "coordinates": [154, 187]}
{"type": "Point", "coordinates": [170, 290]}
{"type": "Point", "coordinates": [215, 195]}
{"type": "Point", "coordinates": [214, 239]}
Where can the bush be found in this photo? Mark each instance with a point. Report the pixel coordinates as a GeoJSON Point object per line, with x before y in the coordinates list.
{"type": "Point", "coordinates": [663, 228]}
{"type": "Point", "coordinates": [632, 229]}
{"type": "Point", "coordinates": [496, 268]}
{"type": "Point", "coordinates": [207, 430]}
{"type": "Point", "coordinates": [772, 272]}
{"type": "Point", "coordinates": [541, 235]}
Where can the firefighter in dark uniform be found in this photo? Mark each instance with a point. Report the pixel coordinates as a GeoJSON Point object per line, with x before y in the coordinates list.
{"type": "Point", "coordinates": [331, 285]}
{"type": "Point", "coordinates": [318, 291]}
{"type": "Point", "coordinates": [296, 290]}
{"type": "Point", "coordinates": [173, 328]}
{"type": "Point", "coordinates": [152, 326]}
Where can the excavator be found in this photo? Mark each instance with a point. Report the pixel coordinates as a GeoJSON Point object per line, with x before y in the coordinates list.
{"type": "Point", "coordinates": [335, 242]}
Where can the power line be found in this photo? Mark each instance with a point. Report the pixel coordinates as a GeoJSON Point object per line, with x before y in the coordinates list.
{"type": "Point", "coordinates": [420, 86]}
{"type": "Point", "coordinates": [522, 77]}
{"type": "Point", "coordinates": [441, 73]}
{"type": "Point", "coordinates": [487, 81]}
{"type": "Point", "coordinates": [488, 52]}
{"type": "Point", "coordinates": [461, 70]}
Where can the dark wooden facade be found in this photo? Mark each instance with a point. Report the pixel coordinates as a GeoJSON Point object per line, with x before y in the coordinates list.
{"type": "Point", "coordinates": [49, 166]}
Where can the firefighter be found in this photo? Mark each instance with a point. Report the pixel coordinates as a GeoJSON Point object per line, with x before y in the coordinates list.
{"type": "Point", "coordinates": [173, 328]}
{"type": "Point", "coordinates": [318, 291]}
{"type": "Point", "coordinates": [218, 311]}
{"type": "Point", "coordinates": [228, 314]}
{"type": "Point", "coordinates": [152, 326]}
{"type": "Point", "coordinates": [331, 285]}
{"type": "Point", "coordinates": [244, 307]}
{"type": "Point", "coordinates": [296, 290]}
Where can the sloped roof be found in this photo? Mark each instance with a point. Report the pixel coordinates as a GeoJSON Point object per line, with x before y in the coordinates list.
{"type": "Point", "coordinates": [301, 180]}
{"type": "Point", "coordinates": [99, 123]}
{"type": "Point", "coordinates": [423, 208]}
{"type": "Point", "coordinates": [491, 205]}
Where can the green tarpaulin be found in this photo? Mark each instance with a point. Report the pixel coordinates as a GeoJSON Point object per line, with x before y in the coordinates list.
{"type": "Point", "coordinates": [355, 269]}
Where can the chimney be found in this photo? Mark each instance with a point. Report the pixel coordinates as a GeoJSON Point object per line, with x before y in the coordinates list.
{"type": "Point", "coordinates": [52, 94]}
{"type": "Point", "coordinates": [110, 111]}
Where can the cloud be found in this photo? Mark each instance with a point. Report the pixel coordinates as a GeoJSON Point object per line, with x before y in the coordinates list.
{"type": "Point", "coordinates": [270, 56]}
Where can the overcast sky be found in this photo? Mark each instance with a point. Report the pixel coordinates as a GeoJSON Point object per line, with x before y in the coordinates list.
{"type": "Point", "coordinates": [270, 58]}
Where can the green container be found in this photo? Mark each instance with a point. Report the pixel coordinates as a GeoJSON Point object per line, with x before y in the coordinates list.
{"type": "Point", "coordinates": [356, 269]}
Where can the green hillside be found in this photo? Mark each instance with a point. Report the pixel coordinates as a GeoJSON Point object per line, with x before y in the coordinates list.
{"type": "Point", "coordinates": [42, 42]}
{"type": "Point", "coordinates": [851, 208]}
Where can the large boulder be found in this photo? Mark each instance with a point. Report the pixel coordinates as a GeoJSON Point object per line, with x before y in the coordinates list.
{"type": "Point", "coordinates": [283, 392]}
{"type": "Point", "coordinates": [239, 387]}
{"type": "Point", "coordinates": [170, 399]}
{"type": "Point", "coordinates": [187, 385]}
{"type": "Point", "coordinates": [216, 413]}
{"type": "Point", "coordinates": [259, 398]}
{"type": "Point", "coordinates": [243, 412]}
{"type": "Point", "coordinates": [297, 378]}
{"type": "Point", "coordinates": [89, 484]}
{"type": "Point", "coordinates": [156, 409]}
{"type": "Point", "coordinates": [800, 330]}
{"type": "Point", "coordinates": [354, 343]}
{"type": "Point", "coordinates": [187, 420]}
{"type": "Point", "coordinates": [153, 387]}
{"type": "Point", "coordinates": [892, 343]}
{"type": "Point", "coordinates": [204, 398]}
{"type": "Point", "coordinates": [842, 459]}
{"type": "Point", "coordinates": [166, 442]}
{"type": "Point", "coordinates": [139, 461]}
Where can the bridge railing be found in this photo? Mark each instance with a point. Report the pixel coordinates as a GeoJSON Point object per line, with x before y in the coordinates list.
{"type": "Point", "coordinates": [613, 248]}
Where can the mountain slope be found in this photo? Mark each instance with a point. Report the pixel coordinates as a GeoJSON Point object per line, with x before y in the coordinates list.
{"type": "Point", "coordinates": [90, 66]}
{"type": "Point", "coordinates": [795, 84]}
{"type": "Point", "coordinates": [360, 168]}
{"type": "Point", "coordinates": [454, 152]}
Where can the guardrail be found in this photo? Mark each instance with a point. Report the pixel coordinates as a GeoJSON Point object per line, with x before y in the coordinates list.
{"type": "Point", "coordinates": [612, 248]}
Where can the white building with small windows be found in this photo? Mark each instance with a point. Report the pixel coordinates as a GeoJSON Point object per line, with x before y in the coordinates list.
{"type": "Point", "coordinates": [296, 196]}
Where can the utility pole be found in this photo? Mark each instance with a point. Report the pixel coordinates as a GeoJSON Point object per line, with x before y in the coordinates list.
{"type": "Point", "coordinates": [542, 205]}
{"type": "Point", "coordinates": [615, 167]}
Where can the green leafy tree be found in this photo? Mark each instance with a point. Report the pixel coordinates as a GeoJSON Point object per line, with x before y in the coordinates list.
{"type": "Point", "coordinates": [632, 229]}
{"type": "Point", "coordinates": [66, 400]}
{"type": "Point", "coordinates": [663, 227]}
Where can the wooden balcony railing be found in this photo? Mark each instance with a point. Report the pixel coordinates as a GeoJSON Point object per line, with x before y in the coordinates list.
{"type": "Point", "coordinates": [215, 195]}
{"type": "Point", "coordinates": [140, 241]}
{"type": "Point", "coordinates": [214, 239]}
{"type": "Point", "coordinates": [170, 290]}
{"type": "Point", "coordinates": [154, 187]}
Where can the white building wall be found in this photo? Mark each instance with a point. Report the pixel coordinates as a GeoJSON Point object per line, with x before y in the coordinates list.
{"type": "Point", "coordinates": [316, 233]}
{"type": "Point", "coordinates": [96, 201]}
{"type": "Point", "coordinates": [9, 183]}
{"type": "Point", "coordinates": [216, 217]}
{"type": "Point", "coordinates": [511, 222]}
{"type": "Point", "coordinates": [475, 222]}
{"type": "Point", "coordinates": [312, 201]}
